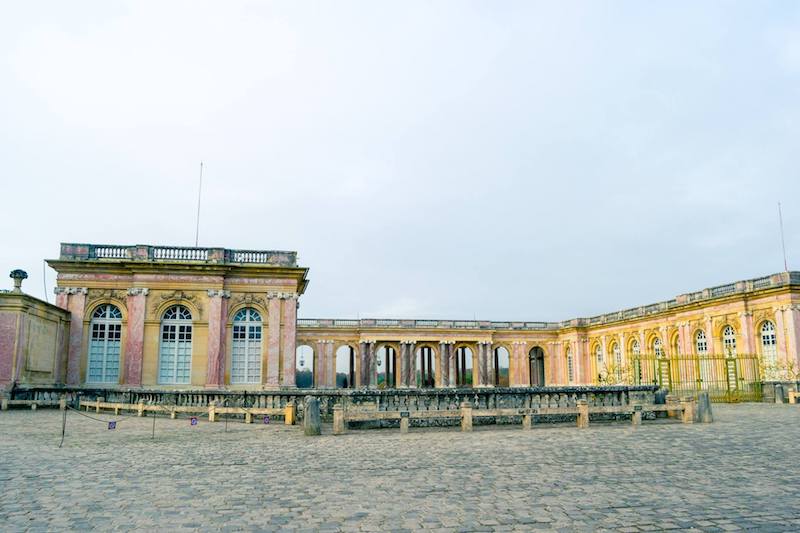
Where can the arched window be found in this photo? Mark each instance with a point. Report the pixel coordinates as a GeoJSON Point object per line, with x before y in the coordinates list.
{"type": "Point", "coordinates": [636, 350]}
{"type": "Point", "coordinates": [769, 349]}
{"type": "Point", "coordinates": [729, 340]}
{"type": "Point", "coordinates": [304, 369]}
{"type": "Point", "coordinates": [658, 348]}
{"type": "Point", "coordinates": [175, 354]}
{"type": "Point", "coordinates": [246, 347]}
{"type": "Point", "coordinates": [104, 345]}
{"type": "Point", "coordinates": [701, 343]}
{"type": "Point", "coordinates": [345, 367]}
{"type": "Point", "coordinates": [570, 367]}
{"type": "Point", "coordinates": [425, 374]}
{"type": "Point", "coordinates": [536, 357]}
{"type": "Point", "coordinates": [617, 354]}
{"type": "Point", "coordinates": [502, 361]}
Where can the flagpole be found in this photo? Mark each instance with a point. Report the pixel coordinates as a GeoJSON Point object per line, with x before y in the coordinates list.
{"type": "Point", "coordinates": [199, 193]}
{"type": "Point", "coordinates": [783, 241]}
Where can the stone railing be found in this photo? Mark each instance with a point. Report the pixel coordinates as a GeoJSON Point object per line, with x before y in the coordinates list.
{"type": "Point", "coordinates": [180, 254]}
{"type": "Point", "coordinates": [381, 400]}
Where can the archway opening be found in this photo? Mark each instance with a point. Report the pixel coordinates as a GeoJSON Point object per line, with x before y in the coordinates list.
{"type": "Point", "coordinates": [425, 374]}
{"type": "Point", "coordinates": [502, 363]}
{"type": "Point", "coordinates": [464, 367]}
{"type": "Point", "coordinates": [304, 367]}
{"type": "Point", "coordinates": [536, 361]}
{"type": "Point", "coordinates": [386, 363]}
{"type": "Point", "coordinates": [345, 367]}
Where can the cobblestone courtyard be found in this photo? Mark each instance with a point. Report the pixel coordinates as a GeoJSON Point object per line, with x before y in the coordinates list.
{"type": "Point", "coordinates": [739, 473]}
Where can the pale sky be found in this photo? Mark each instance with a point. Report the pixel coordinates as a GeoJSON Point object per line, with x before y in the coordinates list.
{"type": "Point", "coordinates": [499, 160]}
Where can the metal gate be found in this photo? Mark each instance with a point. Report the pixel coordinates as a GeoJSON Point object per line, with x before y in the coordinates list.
{"type": "Point", "coordinates": [725, 378]}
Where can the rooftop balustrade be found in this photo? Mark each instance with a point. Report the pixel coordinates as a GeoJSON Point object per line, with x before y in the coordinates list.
{"type": "Point", "coordinates": [175, 254]}
{"type": "Point", "coordinates": [781, 279]}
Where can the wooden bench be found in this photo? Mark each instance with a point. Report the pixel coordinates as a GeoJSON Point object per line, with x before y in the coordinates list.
{"type": "Point", "coordinates": [684, 409]}
{"type": "Point", "coordinates": [289, 412]}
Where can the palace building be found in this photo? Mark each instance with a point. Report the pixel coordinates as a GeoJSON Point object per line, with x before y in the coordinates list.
{"type": "Point", "coordinates": [161, 317]}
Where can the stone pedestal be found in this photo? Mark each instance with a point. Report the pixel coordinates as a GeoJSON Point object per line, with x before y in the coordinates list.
{"type": "Point", "coordinates": [312, 425]}
{"type": "Point", "coordinates": [583, 414]}
{"type": "Point", "coordinates": [466, 416]}
{"type": "Point", "coordinates": [703, 412]}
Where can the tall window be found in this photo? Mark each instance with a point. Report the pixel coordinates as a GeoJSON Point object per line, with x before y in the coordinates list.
{"type": "Point", "coordinates": [636, 350]}
{"type": "Point", "coordinates": [617, 354]}
{"type": "Point", "coordinates": [175, 355]}
{"type": "Point", "coordinates": [769, 349]}
{"type": "Point", "coordinates": [729, 340]}
{"type": "Point", "coordinates": [246, 348]}
{"type": "Point", "coordinates": [658, 349]}
{"type": "Point", "coordinates": [701, 343]}
{"type": "Point", "coordinates": [104, 345]}
{"type": "Point", "coordinates": [570, 367]}
{"type": "Point", "coordinates": [598, 354]}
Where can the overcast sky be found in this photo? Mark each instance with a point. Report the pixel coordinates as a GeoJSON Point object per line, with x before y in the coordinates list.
{"type": "Point", "coordinates": [498, 160]}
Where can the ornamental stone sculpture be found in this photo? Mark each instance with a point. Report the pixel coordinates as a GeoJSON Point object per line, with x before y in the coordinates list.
{"type": "Point", "coordinates": [18, 275]}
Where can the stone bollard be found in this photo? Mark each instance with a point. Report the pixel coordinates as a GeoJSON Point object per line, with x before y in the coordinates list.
{"type": "Point", "coordinates": [212, 411]}
{"type": "Point", "coordinates": [793, 394]}
{"type": "Point", "coordinates": [466, 416]}
{"type": "Point", "coordinates": [672, 401]}
{"type": "Point", "coordinates": [248, 417]}
{"type": "Point", "coordinates": [290, 413]}
{"type": "Point", "coordinates": [311, 419]}
{"type": "Point", "coordinates": [527, 421]}
{"type": "Point", "coordinates": [4, 406]}
{"type": "Point", "coordinates": [172, 414]}
{"type": "Point", "coordinates": [338, 420]}
{"type": "Point", "coordinates": [583, 414]}
{"type": "Point", "coordinates": [34, 406]}
{"type": "Point", "coordinates": [779, 395]}
{"type": "Point", "coordinates": [687, 415]}
{"type": "Point", "coordinates": [404, 422]}
{"type": "Point", "coordinates": [97, 404]}
{"type": "Point", "coordinates": [703, 412]}
{"type": "Point", "coordinates": [636, 417]}
{"type": "Point", "coordinates": [62, 403]}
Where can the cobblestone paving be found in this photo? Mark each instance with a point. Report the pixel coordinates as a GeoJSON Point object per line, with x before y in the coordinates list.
{"type": "Point", "coordinates": [740, 473]}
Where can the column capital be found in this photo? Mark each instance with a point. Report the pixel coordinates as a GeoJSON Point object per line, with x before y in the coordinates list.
{"type": "Point", "coordinates": [70, 290]}
{"type": "Point", "coordinates": [214, 293]}
{"type": "Point", "coordinates": [138, 291]}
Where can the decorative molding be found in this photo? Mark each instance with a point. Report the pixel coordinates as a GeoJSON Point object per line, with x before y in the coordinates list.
{"type": "Point", "coordinates": [178, 296]}
{"type": "Point", "coordinates": [70, 290]}
{"type": "Point", "coordinates": [213, 293]}
{"type": "Point", "coordinates": [138, 291]}
{"type": "Point", "coordinates": [247, 298]}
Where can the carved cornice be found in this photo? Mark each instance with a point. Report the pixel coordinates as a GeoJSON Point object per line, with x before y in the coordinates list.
{"type": "Point", "coordinates": [248, 298]}
{"type": "Point", "coordinates": [178, 297]}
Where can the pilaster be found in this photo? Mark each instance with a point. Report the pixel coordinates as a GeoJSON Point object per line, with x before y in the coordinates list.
{"type": "Point", "coordinates": [76, 305]}
{"type": "Point", "coordinates": [289, 339]}
{"type": "Point", "coordinates": [217, 312]}
{"type": "Point", "coordinates": [792, 321]}
{"type": "Point", "coordinates": [136, 302]}
{"type": "Point", "coordinates": [272, 373]}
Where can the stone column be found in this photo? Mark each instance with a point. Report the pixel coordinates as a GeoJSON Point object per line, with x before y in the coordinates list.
{"type": "Point", "coordinates": [479, 374]}
{"type": "Point", "coordinates": [368, 369]}
{"type": "Point", "coordinates": [442, 366]}
{"type": "Point", "coordinates": [490, 368]}
{"type": "Point", "coordinates": [406, 364]}
{"type": "Point", "coordinates": [76, 304]}
{"type": "Point", "coordinates": [330, 365]}
{"type": "Point", "coordinates": [289, 339]}
{"type": "Point", "coordinates": [319, 364]}
{"type": "Point", "coordinates": [273, 339]}
{"type": "Point", "coordinates": [451, 364]}
{"type": "Point", "coordinates": [134, 342]}
{"type": "Point", "coordinates": [217, 314]}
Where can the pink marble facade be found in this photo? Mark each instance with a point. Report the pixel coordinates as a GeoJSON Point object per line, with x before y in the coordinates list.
{"type": "Point", "coordinates": [8, 335]}
{"type": "Point", "coordinates": [134, 341]}
{"type": "Point", "coordinates": [76, 306]}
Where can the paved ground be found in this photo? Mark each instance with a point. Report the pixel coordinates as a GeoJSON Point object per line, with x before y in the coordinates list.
{"type": "Point", "coordinates": [739, 473]}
